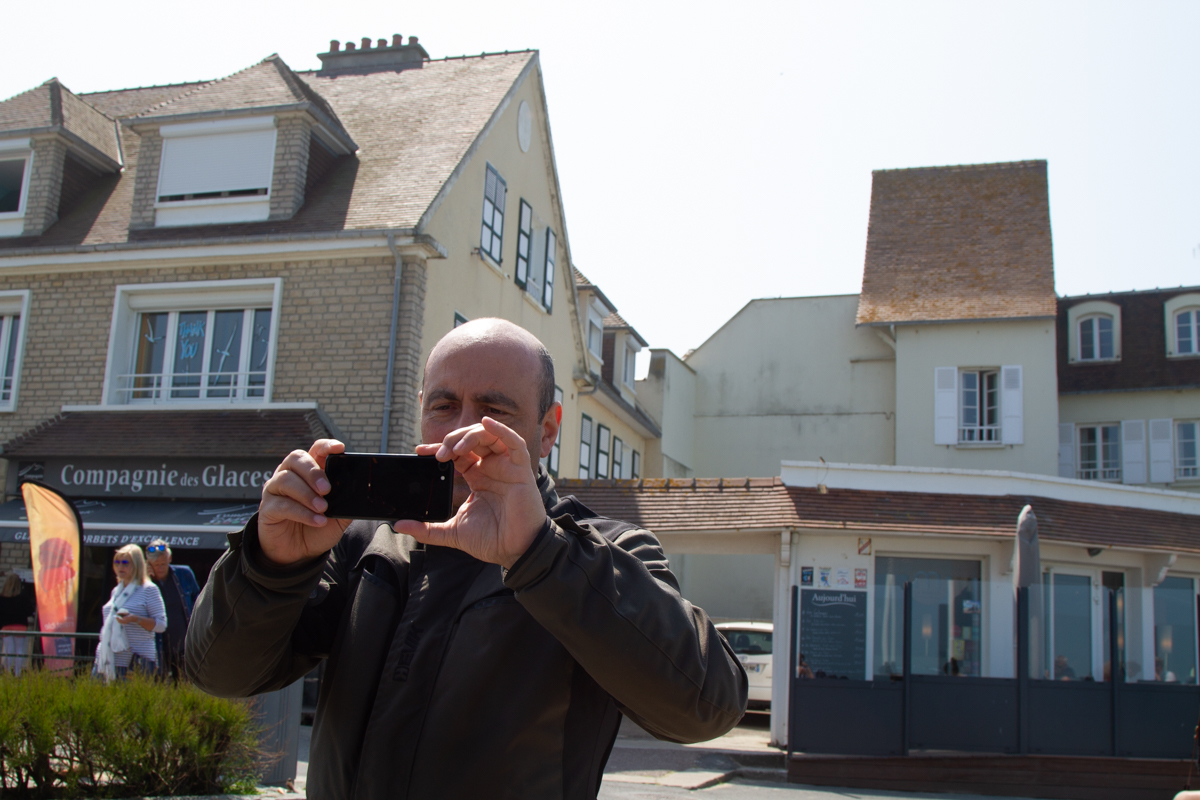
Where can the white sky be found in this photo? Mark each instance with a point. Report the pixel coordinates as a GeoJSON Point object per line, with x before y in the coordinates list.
{"type": "Point", "coordinates": [712, 153]}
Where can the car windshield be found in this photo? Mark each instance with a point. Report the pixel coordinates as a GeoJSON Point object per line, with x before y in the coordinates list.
{"type": "Point", "coordinates": [750, 643]}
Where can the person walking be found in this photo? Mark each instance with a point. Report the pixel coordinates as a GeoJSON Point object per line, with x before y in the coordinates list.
{"type": "Point", "coordinates": [133, 614]}
{"type": "Point", "coordinates": [178, 586]}
{"type": "Point", "coordinates": [16, 608]}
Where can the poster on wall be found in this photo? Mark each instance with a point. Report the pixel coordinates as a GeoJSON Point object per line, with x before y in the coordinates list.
{"type": "Point", "coordinates": [823, 579]}
{"type": "Point", "coordinates": [55, 530]}
{"type": "Point", "coordinates": [806, 575]}
{"type": "Point", "coordinates": [833, 632]}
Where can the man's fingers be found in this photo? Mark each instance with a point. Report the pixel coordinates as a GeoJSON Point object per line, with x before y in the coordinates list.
{"type": "Point", "coordinates": [278, 509]}
{"type": "Point", "coordinates": [435, 533]}
{"type": "Point", "coordinates": [325, 447]}
{"type": "Point", "coordinates": [288, 496]}
{"type": "Point", "coordinates": [511, 439]}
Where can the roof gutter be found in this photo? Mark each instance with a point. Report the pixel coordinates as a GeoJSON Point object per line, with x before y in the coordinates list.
{"type": "Point", "coordinates": [391, 362]}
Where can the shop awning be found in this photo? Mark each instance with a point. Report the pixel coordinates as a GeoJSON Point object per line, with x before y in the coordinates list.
{"type": "Point", "coordinates": [193, 524]}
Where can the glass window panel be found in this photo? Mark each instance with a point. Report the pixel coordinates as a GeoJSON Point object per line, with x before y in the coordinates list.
{"type": "Point", "coordinates": [12, 329]}
{"type": "Point", "coordinates": [526, 217]}
{"type": "Point", "coordinates": [749, 643]}
{"type": "Point", "coordinates": [189, 353]}
{"type": "Point", "coordinates": [260, 347]}
{"type": "Point", "coordinates": [1186, 445]}
{"type": "Point", "coordinates": [1113, 582]}
{"type": "Point", "coordinates": [1183, 332]}
{"type": "Point", "coordinates": [148, 356]}
{"type": "Point", "coordinates": [226, 352]}
{"type": "Point", "coordinates": [1105, 326]}
{"type": "Point", "coordinates": [1088, 453]}
{"type": "Point", "coordinates": [1175, 630]}
{"type": "Point", "coordinates": [12, 175]}
{"type": "Point", "coordinates": [1111, 451]}
{"type": "Point", "coordinates": [498, 222]}
{"type": "Point", "coordinates": [1087, 340]}
{"type": "Point", "coordinates": [991, 399]}
{"type": "Point", "coordinates": [947, 623]}
{"type": "Point", "coordinates": [636, 466]}
{"type": "Point", "coordinates": [1070, 631]}
{"type": "Point", "coordinates": [495, 251]}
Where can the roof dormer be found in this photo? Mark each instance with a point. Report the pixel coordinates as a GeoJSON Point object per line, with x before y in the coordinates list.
{"type": "Point", "coordinates": [240, 149]}
{"type": "Point", "coordinates": [53, 145]}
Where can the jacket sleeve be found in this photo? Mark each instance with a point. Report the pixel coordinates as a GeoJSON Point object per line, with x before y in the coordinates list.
{"type": "Point", "coordinates": [614, 604]}
{"type": "Point", "coordinates": [246, 631]}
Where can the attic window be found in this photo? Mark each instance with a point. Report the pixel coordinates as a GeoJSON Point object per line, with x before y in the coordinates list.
{"type": "Point", "coordinates": [12, 180]}
{"type": "Point", "coordinates": [15, 160]}
{"type": "Point", "coordinates": [216, 171]}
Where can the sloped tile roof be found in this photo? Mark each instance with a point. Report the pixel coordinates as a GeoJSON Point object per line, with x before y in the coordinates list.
{"type": "Point", "coordinates": [51, 105]}
{"type": "Point", "coordinates": [615, 321]}
{"type": "Point", "coordinates": [1144, 363]}
{"type": "Point", "coordinates": [413, 128]}
{"type": "Point", "coordinates": [223, 433]}
{"type": "Point", "coordinates": [958, 243]}
{"type": "Point", "coordinates": [746, 505]}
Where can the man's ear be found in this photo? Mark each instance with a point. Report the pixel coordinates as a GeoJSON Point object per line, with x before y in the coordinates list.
{"type": "Point", "coordinates": [550, 425]}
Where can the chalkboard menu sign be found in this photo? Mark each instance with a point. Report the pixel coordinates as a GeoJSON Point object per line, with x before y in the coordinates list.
{"type": "Point", "coordinates": [833, 632]}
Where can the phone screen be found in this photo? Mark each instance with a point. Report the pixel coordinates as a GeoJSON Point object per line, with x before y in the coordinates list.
{"type": "Point", "coordinates": [389, 487]}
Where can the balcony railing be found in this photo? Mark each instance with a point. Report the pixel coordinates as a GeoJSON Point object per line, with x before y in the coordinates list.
{"type": "Point", "coordinates": [1182, 473]}
{"type": "Point", "coordinates": [979, 434]}
{"type": "Point", "coordinates": [1104, 474]}
{"type": "Point", "coordinates": [177, 387]}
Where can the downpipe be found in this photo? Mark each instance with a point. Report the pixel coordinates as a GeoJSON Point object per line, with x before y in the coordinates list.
{"type": "Point", "coordinates": [391, 360]}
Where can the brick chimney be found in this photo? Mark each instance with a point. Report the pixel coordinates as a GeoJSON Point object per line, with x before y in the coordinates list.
{"type": "Point", "coordinates": [352, 60]}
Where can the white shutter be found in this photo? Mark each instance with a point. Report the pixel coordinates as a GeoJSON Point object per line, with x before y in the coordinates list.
{"type": "Point", "coordinates": [1133, 451]}
{"type": "Point", "coordinates": [1012, 405]}
{"type": "Point", "coordinates": [1066, 450]}
{"type": "Point", "coordinates": [1162, 451]}
{"type": "Point", "coordinates": [226, 162]}
{"type": "Point", "coordinates": [945, 405]}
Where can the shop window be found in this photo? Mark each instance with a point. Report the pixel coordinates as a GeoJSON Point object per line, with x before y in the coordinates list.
{"type": "Point", "coordinates": [585, 448]}
{"type": "Point", "coordinates": [947, 616]}
{"type": "Point", "coordinates": [1099, 453]}
{"type": "Point", "coordinates": [1068, 628]}
{"type": "Point", "coordinates": [603, 447]}
{"type": "Point", "coordinates": [1113, 582]}
{"type": "Point", "coordinates": [202, 342]}
{"type": "Point", "coordinates": [1175, 630]}
{"type": "Point", "coordinates": [491, 237]}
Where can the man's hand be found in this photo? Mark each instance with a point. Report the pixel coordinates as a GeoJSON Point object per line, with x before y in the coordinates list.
{"type": "Point", "coordinates": [292, 526]}
{"type": "Point", "coordinates": [504, 513]}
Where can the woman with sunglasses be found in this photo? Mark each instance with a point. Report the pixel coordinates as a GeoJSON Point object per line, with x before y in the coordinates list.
{"type": "Point", "coordinates": [132, 615]}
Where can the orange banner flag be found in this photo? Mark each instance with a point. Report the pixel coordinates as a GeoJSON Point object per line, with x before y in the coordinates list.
{"type": "Point", "coordinates": [55, 542]}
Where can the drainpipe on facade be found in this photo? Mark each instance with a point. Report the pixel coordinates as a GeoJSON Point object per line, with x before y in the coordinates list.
{"type": "Point", "coordinates": [391, 363]}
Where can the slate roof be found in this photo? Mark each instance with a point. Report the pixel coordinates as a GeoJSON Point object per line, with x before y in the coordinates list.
{"type": "Point", "coordinates": [413, 128]}
{"type": "Point", "coordinates": [218, 433]}
{"type": "Point", "coordinates": [958, 243]}
{"type": "Point", "coordinates": [764, 504]}
{"type": "Point", "coordinates": [1144, 363]}
{"type": "Point", "coordinates": [53, 105]}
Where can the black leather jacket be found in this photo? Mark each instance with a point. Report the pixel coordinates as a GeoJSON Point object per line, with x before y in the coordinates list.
{"type": "Point", "coordinates": [448, 678]}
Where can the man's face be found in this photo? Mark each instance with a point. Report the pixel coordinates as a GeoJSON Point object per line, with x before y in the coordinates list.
{"type": "Point", "coordinates": [159, 567]}
{"type": "Point", "coordinates": [467, 381]}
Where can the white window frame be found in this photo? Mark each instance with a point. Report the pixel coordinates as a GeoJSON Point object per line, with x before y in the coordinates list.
{"type": "Point", "coordinates": [1092, 322]}
{"type": "Point", "coordinates": [979, 433]}
{"type": "Point", "coordinates": [629, 373]}
{"type": "Point", "coordinates": [213, 210]}
{"type": "Point", "coordinates": [587, 427]}
{"type": "Point", "coordinates": [1184, 471]}
{"type": "Point", "coordinates": [1079, 312]}
{"type": "Point", "coordinates": [948, 424]}
{"type": "Point", "coordinates": [13, 303]}
{"type": "Point", "coordinates": [1102, 473]}
{"type": "Point", "coordinates": [132, 300]}
{"type": "Point", "coordinates": [1177, 304]}
{"type": "Point", "coordinates": [12, 223]}
{"type": "Point", "coordinates": [1097, 618]}
{"type": "Point", "coordinates": [595, 344]}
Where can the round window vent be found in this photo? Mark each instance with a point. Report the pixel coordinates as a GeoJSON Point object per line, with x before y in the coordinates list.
{"type": "Point", "coordinates": [524, 126]}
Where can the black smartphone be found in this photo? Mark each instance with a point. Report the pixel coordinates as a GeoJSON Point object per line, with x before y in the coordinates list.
{"type": "Point", "coordinates": [389, 486]}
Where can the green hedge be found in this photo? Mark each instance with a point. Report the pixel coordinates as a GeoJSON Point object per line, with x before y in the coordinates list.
{"type": "Point", "coordinates": [63, 738]}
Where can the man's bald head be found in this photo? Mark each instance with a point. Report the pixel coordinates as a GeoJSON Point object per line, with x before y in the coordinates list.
{"type": "Point", "coordinates": [519, 347]}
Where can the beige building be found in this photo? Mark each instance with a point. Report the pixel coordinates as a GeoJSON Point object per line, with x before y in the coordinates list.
{"type": "Point", "coordinates": [197, 278]}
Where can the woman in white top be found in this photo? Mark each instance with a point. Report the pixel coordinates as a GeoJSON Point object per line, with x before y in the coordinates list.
{"type": "Point", "coordinates": [132, 615]}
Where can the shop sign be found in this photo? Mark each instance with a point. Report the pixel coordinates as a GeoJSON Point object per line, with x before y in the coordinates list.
{"type": "Point", "coordinates": [147, 477]}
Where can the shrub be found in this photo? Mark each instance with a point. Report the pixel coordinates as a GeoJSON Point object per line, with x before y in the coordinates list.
{"type": "Point", "coordinates": [64, 738]}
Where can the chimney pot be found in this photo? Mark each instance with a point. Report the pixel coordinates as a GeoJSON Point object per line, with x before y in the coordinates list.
{"type": "Point", "coordinates": [366, 43]}
{"type": "Point", "coordinates": [412, 40]}
{"type": "Point", "coordinates": [381, 43]}
{"type": "Point", "coordinates": [334, 46]}
{"type": "Point", "coordinates": [349, 47]}
{"type": "Point", "coordinates": [397, 40]}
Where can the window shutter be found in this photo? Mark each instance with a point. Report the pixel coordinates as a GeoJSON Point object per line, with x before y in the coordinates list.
{"type": "Point", "coordinates": [945, 405]}
{"type": "Point", "coordinates": [551, 256]}
{"type": "Point", "coordinates": [533, 283]}
{"type": "Point", "coordinates": [1066, 450]}
{"type": "Point", "coordinates": [1162, 451]}
{"type": "Point", "coordinates": [1012, 405]}
{"type": "Point", "coordinates": [1133, 451]}
{"type": "Point", "coordinates": [227, 162]}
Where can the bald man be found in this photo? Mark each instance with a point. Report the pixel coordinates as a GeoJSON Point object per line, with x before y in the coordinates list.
{"type": "Point", "coordinates": [491, 655]}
